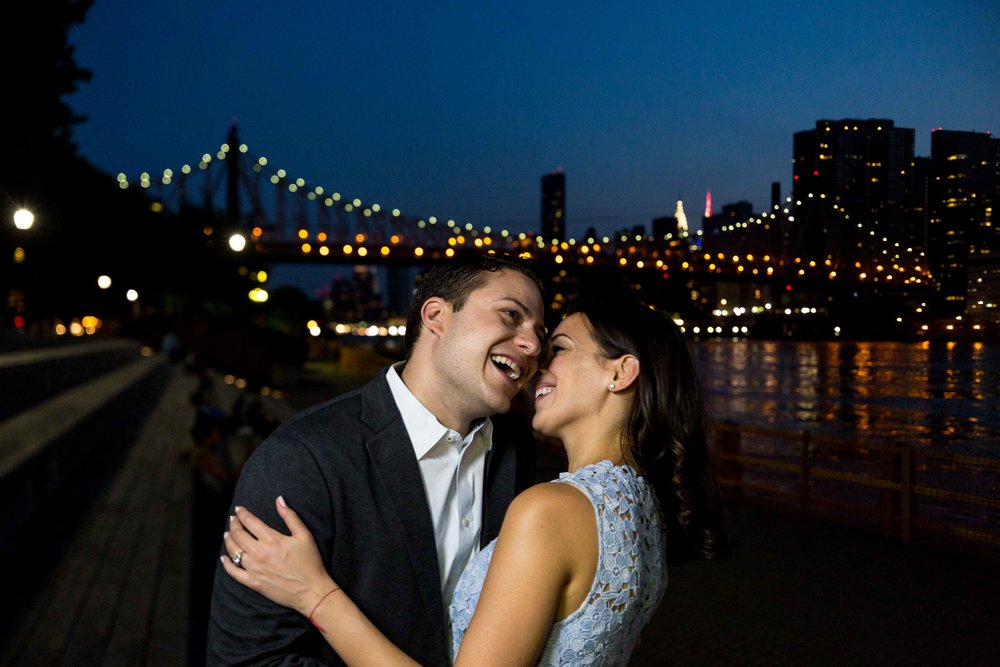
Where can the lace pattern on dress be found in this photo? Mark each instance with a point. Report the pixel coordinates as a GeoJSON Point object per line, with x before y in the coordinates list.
{"type": "Point", "coordinates": [629, 582]}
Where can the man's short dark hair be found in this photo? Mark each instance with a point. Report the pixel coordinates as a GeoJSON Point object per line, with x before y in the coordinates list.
{"type": "Point", "coordinates": [453, 280]}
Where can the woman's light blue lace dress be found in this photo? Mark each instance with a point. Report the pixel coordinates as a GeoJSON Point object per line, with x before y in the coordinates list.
{"type": "Point", "coordinates": [629, 583]}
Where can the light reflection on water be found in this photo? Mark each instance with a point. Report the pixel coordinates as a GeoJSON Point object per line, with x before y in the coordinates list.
{"type": "Point", "coordinates": [943, 395]}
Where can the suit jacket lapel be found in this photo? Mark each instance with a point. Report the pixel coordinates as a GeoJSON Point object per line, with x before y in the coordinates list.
{"type": "Point", "coordinates": [499, 482]}
{"type": "Point", "coordinates": [392, 455]}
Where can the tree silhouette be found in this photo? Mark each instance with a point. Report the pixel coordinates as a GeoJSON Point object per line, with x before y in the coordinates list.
{"type": "Point", "coordinates": [40, 73]}
{"type": "Point", "coordinates": [85, 225]}
{"type": "Point", "coordinates": [39, 167]}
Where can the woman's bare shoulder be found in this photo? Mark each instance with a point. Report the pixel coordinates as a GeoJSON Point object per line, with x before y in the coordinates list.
{"type": "Point", "coordinates": [549, 506]}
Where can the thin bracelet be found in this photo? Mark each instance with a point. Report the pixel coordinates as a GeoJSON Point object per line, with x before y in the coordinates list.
{"type": "Point", "coordinates": [333, 590]}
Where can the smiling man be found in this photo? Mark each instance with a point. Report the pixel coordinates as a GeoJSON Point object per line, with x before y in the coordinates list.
{"type": "Point", "coordinates": [404, 480]}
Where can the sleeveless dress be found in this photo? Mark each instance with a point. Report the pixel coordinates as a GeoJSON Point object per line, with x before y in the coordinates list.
{"type": "Point", "coordinates": [628, 585]}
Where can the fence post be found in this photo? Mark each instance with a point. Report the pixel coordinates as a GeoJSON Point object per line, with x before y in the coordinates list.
{"type": "Point", "coordinates": [889, 496]}
{"type": "Point", "coordinates": [805, 463]}
{"type": "Point", "coordinates": [729, 444]}
{"type": "Point", "coordinates": [906, 493]}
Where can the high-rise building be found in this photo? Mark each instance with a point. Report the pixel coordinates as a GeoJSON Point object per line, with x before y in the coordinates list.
{"type": "Point", "coordinates": [963, 189]}
{"type": "Point", "coordinates": [863, 167]}
{"type": "Point", "coordinates": [554, 205]}
{"type": "Point", "coordinates": [982, 302]}
{"type": "Point", "coordinates": [664, 227]}
{"type": "Point", "coordinates": [919, 213]}
{"type": "Point", "coordinates": [724, 231]}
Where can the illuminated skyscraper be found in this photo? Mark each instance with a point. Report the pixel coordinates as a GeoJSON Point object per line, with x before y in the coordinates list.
{"type": "Point", "coordinates": [682, 221]}
{"type": "Point", "coordinates": [554, 205]}
{"type": "Point", "coordinates": [863, 166]}
{"type": "Point", "coordinates": [963, 192]}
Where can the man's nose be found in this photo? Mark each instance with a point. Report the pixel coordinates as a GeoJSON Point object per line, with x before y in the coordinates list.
{"type": "Point", "coordinates": [530, 342]}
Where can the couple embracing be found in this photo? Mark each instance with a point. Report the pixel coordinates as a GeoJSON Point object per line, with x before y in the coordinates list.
{"type": "Point", "coordinates": [391, 525]}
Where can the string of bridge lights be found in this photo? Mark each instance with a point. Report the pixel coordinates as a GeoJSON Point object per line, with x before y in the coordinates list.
{"type": "Point", "coordinates": [586, 251]}
{"type": "Point", "coordinates": [916, 257]}
{"type": "Point", "coordinates": [316, 193]}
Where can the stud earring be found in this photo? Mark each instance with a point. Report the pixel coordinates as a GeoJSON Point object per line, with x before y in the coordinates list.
{"type": "Point", "coordinates": [611, 387]}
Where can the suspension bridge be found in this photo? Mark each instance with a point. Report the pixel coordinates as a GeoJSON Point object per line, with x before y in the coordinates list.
{"type": "Point", "coordinates": [800, 255]}
{"type": "Point", "coordinates": [285, 218]}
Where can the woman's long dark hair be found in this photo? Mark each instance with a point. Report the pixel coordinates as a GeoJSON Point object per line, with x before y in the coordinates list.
{"type": "Point", "coordinates": [665, 432]}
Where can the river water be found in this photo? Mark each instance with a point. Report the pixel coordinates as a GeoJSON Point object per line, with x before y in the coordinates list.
{"type": "Point", "coordinates": [935, 394]}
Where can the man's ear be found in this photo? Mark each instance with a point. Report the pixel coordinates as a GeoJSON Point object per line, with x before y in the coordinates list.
{"type": "Point", "coordinates": [434, 315]}
{"type": "Point", "coordinates": [626, 371]}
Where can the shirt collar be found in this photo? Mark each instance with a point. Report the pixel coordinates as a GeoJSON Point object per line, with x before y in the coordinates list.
{"type": "Point", "coordinates": [422, 426]}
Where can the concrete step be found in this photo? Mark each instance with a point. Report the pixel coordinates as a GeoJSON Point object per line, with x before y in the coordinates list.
{"type": "Point", "coordinates": [30, 377]}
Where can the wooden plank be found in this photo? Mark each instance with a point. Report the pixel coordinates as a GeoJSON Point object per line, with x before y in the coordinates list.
{"type": "Point", "coordinates": [130, 637]}
{"type": "Point", "coordinates": [168, 635]}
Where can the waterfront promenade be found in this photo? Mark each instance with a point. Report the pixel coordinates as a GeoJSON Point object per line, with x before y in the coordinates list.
{"type": "Point", "coordinates": [112, 589]}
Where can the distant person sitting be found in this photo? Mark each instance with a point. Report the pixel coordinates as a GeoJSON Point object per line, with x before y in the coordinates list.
{"type": "Point", "coordinates": [171, 347]}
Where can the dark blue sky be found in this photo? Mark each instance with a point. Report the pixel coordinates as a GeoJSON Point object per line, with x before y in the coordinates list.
{"type": "Point", "coordinates": [458, 109]}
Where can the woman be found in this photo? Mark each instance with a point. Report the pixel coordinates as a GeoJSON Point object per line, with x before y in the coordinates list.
{"type": "Point", "coordinates": [579, 566]}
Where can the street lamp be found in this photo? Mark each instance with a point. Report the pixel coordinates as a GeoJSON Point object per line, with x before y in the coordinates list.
{"type": "Point", "coordinates": [237, 242]}
{"type": "Point", "coordinates": [23, 219]}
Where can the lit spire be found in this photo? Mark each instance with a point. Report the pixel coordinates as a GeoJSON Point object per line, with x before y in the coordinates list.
{"type": "Point", "coordinates": [708, 204]}
{"type": "Point", "coordinates": [682, 221]}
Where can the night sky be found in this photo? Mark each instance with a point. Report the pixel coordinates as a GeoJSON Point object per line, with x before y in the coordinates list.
{"type": "Point", "coordinates": [457, 109]}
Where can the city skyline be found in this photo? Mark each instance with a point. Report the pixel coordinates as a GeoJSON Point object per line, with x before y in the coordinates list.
{"type": "Point", "coordinates": [459, 112]}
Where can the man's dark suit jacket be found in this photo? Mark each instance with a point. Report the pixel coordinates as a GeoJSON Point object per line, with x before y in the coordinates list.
{"type": "Point", "coordinates": [347, 467]}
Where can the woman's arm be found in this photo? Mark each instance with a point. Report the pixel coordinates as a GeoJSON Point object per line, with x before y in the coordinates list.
{"type": "Point", "coordinates": [542, 569]}
{"type": "Point", "coordinates": [289, 571]}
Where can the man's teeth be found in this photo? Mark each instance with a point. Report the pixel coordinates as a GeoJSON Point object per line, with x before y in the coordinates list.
{"type": "Point", "coordinates": [543, 391]}
{"type": "Point", "coordinates": [513, 370]}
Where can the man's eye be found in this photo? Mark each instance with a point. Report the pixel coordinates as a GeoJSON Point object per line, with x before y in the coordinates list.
{"type": "Point", "coordinates": [513, 315]}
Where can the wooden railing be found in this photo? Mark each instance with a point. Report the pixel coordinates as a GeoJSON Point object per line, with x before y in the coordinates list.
{"type": "Point", "coordinates": [901, 491]}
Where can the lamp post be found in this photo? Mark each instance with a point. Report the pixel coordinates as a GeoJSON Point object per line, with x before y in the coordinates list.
{"type": "Point", "coordinates": [23, 220]}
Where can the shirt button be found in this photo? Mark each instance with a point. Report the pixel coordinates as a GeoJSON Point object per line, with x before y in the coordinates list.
{"type": "Point", "coordinates": [465, 522]}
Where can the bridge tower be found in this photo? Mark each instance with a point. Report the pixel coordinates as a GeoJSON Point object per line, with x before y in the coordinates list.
{"type": "Point", "coordinates": [233, 179]}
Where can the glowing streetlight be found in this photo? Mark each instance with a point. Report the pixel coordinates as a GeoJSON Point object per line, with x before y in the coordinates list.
{"type": "Point", "coordinates": [23, 219]}
{"type": "Point", "coordinates": [237, 242]}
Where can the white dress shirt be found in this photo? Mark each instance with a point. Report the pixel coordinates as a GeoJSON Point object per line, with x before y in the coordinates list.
{"type": "Point", "coordinates": [452, 471]}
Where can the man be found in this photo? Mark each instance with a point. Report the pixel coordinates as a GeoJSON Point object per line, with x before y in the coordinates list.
{"type": "Point", "coordinates": [402, 481]}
